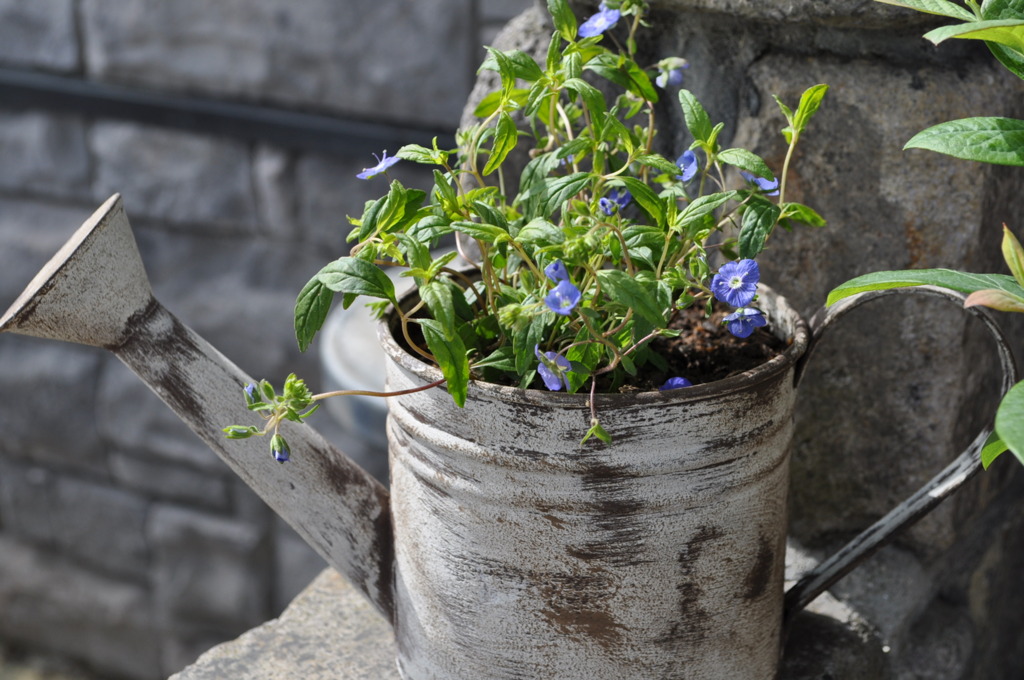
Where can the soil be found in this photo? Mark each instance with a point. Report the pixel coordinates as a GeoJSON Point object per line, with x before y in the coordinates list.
{"type": "Point", "coordinates": [705, 351]}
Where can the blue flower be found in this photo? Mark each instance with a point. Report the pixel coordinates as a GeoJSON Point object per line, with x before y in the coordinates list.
{"type": "Point", "coordinates": [743, 321]}
{"type": "Point", "coordinates": [552, 369]}
{"type": "Point", "coordinates": [689, 164]}
{"type": "Point", "coordinates": [557, 272]}
{"type": "Point", "coordinates": [252, 394]}
{"type": "Point", "coordinates": [383, 163]}
{"type": "Point", "coordinates": [617, 199]}
{"type": "Point", "coordinates": [770, 187]}
{"type": "Point", "coordinates": [563, 298]}
{"type": "Point", "coordinates": [675, 384]}
{"type": "Point", "coordinates": [600, 22]}
{"type": "Point", "coordinates": [279, 447]}
{"type": "Point", "coordinates": [670, 72]}
{"type": "Point", "coordinates": [736, 282]}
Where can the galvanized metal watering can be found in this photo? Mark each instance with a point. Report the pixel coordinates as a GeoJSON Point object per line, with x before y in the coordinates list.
{"type": "Point", "coordinates": [504, 550]}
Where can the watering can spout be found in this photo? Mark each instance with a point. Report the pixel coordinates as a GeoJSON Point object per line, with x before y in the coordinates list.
{"type": "Point", "coordinates": [95, 291]}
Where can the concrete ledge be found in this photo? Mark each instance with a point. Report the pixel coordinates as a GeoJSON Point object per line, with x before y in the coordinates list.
{"type": "Point", "coordinates": [329, 632]}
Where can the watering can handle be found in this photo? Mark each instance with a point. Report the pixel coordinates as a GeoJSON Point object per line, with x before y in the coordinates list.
{"type": "Point", "coordinates": [943, 485]}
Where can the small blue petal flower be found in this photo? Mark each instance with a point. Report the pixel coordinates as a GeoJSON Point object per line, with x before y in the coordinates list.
{"type": "Point", "coordinates": [770, 187]}
{"type": "Point", "coordinates": [279, 447]}
{"type": "Point", "coordinates": [617, 199]}
{"type": "Point", "coordinates": [552, 369]}
{"type": "Point", "coordinates": [600, 22]}
{"type": "Point", "coordinates": [675, 384]}
{"type": "Point", "coordinates": [251, 393]}
{"type": "Point", "coordinates": [383, 163]}
{"type": "Point", "coordinates": [689, 164]}
{"type": "Point", "coordinates": [743, 321]}
{"type": "Point", "coordinates": [563, 298]}
{"type": "Point", "coordinates": [736, 282]}
{"type": "Point", "coordinates": [557, 272]}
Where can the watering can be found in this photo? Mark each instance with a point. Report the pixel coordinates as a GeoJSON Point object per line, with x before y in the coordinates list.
{"type": "Point", "coordinates": [95, 291]}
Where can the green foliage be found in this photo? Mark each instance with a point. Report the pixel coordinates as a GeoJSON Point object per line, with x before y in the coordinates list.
{"type": "Point", "coordinates": [588, 112]}
{"type": "Point", "coordinates": [987, 140]}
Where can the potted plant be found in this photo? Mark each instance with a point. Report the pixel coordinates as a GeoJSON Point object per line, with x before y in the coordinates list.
{"type": "Point", "coordinates": [592, 411]}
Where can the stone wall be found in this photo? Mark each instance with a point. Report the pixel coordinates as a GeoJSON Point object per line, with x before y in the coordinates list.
{"type": "Point", "coordinates": [124, 542]}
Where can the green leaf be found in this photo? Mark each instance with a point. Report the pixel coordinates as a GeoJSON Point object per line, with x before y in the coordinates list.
{"type": "Point", "coordinates": [311, 309]}
{"type": "Point", "coordinates": [416, 154]}
{"type": "Point", "coordinates": [801, 213]}
{"type": "Point", "coordinates": [745, 160]}
{"type": "Point", "coordinates": [561, 189]}
{"type": "Point", "coordinates": [1010, 420]}
{"type": "Point", "coordinates": [1008, 32]}
{"type": "Point", "coordinates": [810, 102]}
{"type": "Point", "coordinates": [525, 339]}
{"type": "Point", "coordinates": [505, 138]}
{"type": "Point", "coordinates": [438, 297]}
{"type": "Point", "coordinates": [646, 199]}
{"type": "Point", "coordinates": [539, 231]}
{"type": "Point", "coordinates": [517, 64]}
{"type": "Point", "coordinates": [945, 278]}
{"type": "Point", "coordinates": [596, 431]}
{"type": "Point", "coordinates": [759, 219]}
{"type": "Point", "coordinates": [658, 162]}
{"type": "Point", "coordinates": [1013, 253]}
{"type": "Point", "coordinates": [446, 195]}
{"type": "Point", "coordinates": [592, 97]}
{"type": "Point", "coordinates": [502, 359]}
{"type": "Point", "coordinates": [450, 354]}
{"type": "Point", "coordinates": [697, 119]}
{"type": "Point", "coordinates": [624, 289]}
{"type": "Point", "coordinates": [565, 20]}
{"type": "Point", "coordinates": [988, 140]}
{"type": "Point", "coordinates": [488, 233]}
{"type": "Point", "coordinates": [357, 277]}
{"type": "Point", "coordinates": [993, 447]}
{"type": "Point", "coordinates": [494, 100]}
{"type": "Point", "coordinates": [940, 7]}
{"type": "Point", "coordinates": [995, 299]}
{"type": "Point", "coordinates": [701, 206]}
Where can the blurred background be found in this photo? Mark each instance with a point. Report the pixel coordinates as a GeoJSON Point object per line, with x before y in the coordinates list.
{"type": "Point", "coordinates": [234, 131]}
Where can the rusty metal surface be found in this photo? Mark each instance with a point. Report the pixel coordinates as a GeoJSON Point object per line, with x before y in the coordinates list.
{"type": "Point", "coordinates": [95, 291]}
{"type": "Point", "coordinates": [521, 554]}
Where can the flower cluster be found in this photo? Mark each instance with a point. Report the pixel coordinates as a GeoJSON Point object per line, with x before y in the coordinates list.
{"type": "Point", "coordinates": [582, 259]}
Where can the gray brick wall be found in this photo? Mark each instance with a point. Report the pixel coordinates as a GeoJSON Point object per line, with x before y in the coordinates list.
{"type": "Point", "coordinates": [124, 542]}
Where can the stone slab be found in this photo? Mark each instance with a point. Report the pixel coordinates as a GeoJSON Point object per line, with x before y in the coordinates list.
{"type": "Point", "coordinates": [392, 60]}
{"type": "Point", "coordinates": [331, 633]}
{"type": "Point", "coordinates": [39, 34]}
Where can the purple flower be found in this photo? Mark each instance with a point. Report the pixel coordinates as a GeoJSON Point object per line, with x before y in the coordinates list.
{"type": "Point", "coordinates": [617, 199]}
{"type": "Point", "coordinates": [557, 272]}
{"type": "Point", "coordinates": [675, 384]}
{"type": "Point", "coordinates": [743, 321]}
{"type": "Point", "coordinates": [670, 72]}
{"type": "Point", "coordinates": [251, 394]}
{"type": "Point", "coordinates": [770, 187]}
{"type": "Point", "coordinates": [688, 164]}
{"type": "Point", "coordinates": [552, 369]}
{"type": "Point", "coordinates": [383, 163]}
{"type": "Point", "coordinates": [736, 282]}
{"type": "Point", "coordinates": [563, 298]}
{"type": "Point", "coordinates": [279, 447]}
{"type": "Point", "coordinates": [600, 22]}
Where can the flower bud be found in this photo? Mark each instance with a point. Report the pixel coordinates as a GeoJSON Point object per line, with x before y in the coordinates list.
{"type": "Point", "coordinates": [279, 447]}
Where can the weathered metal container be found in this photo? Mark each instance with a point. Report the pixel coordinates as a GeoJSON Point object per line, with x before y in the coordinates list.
{"type": "Point", "coordinates": [505, 548]}
{"type": "Point", "coordinates": [520, 553]}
